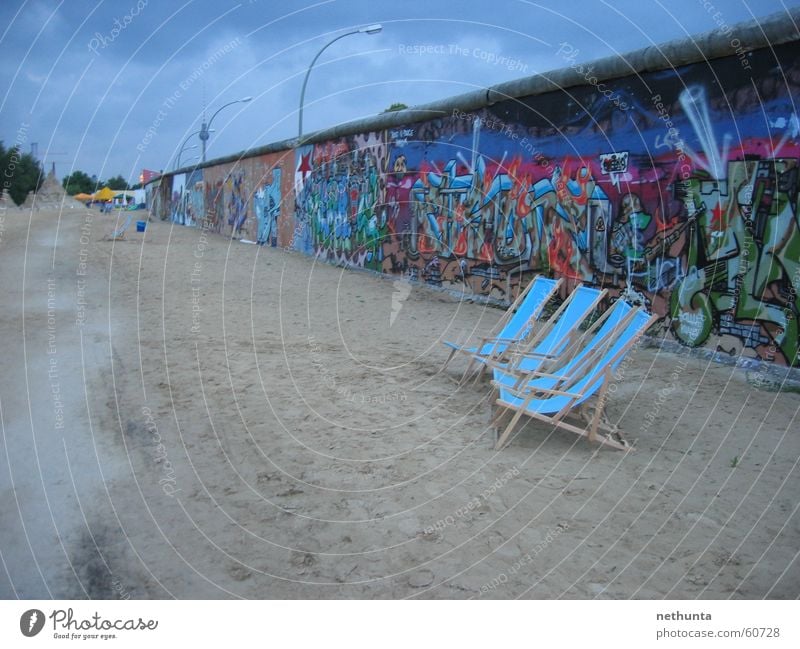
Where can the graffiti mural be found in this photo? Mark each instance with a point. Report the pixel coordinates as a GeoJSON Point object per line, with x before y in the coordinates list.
{"type": "Point", "coordinates": [272, 201]}
{"type": "Point", "coordinates": [154, 198]}
{"type": "Point", "coordinates": [178, 200]}
{"type": "Point", "coordinates": [680, 195]}
{"type": "Point", "coordinates": [215, 195]}
{"type": "Point", "coordinates": [236, 200]}
{"type": "Point", "coordinates": [195, 204]}
{"type": "Point", "coordinates": [742, 261]}
{"type": "Point", "coordinates": [267, 203]}
{"type": "Point", "coordinates": [704, 233]}
{"type": "Point", "coordinates": [339, 201]}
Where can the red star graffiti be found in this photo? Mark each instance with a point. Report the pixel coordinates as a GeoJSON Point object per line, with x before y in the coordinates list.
{"type": "Point", "coordinates": [716, 217]}
{"type": "Point", "coordinates": [305, 165]}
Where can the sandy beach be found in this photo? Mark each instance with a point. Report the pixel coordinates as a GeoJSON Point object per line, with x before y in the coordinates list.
{"type": "Point", "coordinates": [184, 415]}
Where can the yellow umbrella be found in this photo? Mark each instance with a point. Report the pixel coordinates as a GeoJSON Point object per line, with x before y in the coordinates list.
{"type": "Point", "coordinates": [105, 194]}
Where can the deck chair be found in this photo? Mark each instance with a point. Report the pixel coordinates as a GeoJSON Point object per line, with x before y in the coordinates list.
{"type": "Point", "coordinates": [583, 348]}
{"type": "Point", "coordinates": [553, 337]}
{"type": "Point", "coordinates": [553, 397]}
{"type": "Point", "coordinates": [119, 234]}
{"type": "Point", "coordinates": [515, 324]}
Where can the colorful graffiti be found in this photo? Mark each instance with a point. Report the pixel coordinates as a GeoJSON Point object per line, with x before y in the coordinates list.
{"type": "Point", "coordinates": [273, 201]}
{"type": "Point", "coordinates": [244, 200]}
{"type": "Point", "coordinates": [236, 199]}
{"type": "Point", "coordinates": [704, 235]}
{"type": "Point", "coordinates": [154, 198]}
{"type": "Point", "coordinates": [743, 268]}
{"type": "Point", "coordinates": [480, 219]}
{"type": "Point", "coordinates": [178, 200]}
{"type": "Point", "coordinates": [267, 204]}
{"type": "Point", "coordinates": [341, 203]}
{"type": "Point", "coordinates": [685, 201]}
{"type": "Point", "coordinates": [214, 202]}
{"type": "Point", "coordinates": [187, 198]}
{"type": "Point", "coordinates": [195, 203]}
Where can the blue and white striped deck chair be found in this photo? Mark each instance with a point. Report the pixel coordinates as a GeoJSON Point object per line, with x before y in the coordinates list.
{"type": "Point", "coordinates": [552, 397]}
{"type": "Point", "coordinates": [515, 324]}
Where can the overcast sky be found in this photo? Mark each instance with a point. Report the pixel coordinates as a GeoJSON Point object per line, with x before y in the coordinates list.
{"type": "Point", "coordinates": [114, 87]}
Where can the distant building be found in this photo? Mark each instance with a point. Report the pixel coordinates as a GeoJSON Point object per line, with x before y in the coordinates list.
{"type": "Point", "coordinates": [147, 175]}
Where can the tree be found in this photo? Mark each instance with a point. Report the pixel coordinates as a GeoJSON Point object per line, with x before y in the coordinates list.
{"type": "Point", "coordinates": [21, 173]}
{"type": "Point", "coordinates": [395, 106]}
{"type": "Point", "coordinates": [117, 182]}
{"type": "Point", "coordinates": [78, 182]}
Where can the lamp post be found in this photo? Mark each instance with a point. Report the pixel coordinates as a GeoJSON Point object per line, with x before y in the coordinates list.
{"type": "Point", "coordinates": [183, 147]}
{"type": "Point", "coordinates": [178, 162]}
{"type": "Point", "coordinates": [205, 127]}
{"type": "Point", "coordinates": [370, 29]}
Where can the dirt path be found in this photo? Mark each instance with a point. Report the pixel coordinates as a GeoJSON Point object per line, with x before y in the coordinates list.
{"type": "Point", "coordinates": [242, 422]}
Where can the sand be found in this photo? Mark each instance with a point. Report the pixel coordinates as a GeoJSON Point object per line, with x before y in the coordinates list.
{"type": "Point", "coordinates": [192, 417]}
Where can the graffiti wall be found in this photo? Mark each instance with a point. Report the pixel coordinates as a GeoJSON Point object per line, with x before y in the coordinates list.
{"type": "Point", "coordinates": [226, 199]}
{"type": "Point", "coordinates": [245, 199]}
{"type": "Point", "coordinates": [677, 189]}
{"type": "Point", "coordinates": [153, 198]}
{"type": "Point", "coordinates": [272, 199]}
{"type": "Point", "coordinates": [341, 206]}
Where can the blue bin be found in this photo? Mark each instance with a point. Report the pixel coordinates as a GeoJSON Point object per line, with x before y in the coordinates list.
{"type": "Point", "coordinates": [141, 225]}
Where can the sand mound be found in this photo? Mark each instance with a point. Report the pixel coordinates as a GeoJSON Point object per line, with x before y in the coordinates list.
{"type": "Point", "coordinates": [51, 196]}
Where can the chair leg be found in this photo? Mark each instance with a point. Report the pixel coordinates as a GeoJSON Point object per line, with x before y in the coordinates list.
{"type": "Point", "coordinates": [601, 400]}
{"type": "Point", "coordinates": [503, 439]}
{"type": "Point", "coordinates": [479, 374]}
{"type": "Point", "coordinates": [495, 419]}
{"type": "Point", "coordinates": [586, 414]}
{"type": "Point", "coordinates": [467, 371]}
{"type": "Point", "coordinates": [449, 358]}
{"type": "Point", "coordinates": [598, 420]}
{"type": "Point", "coordinates": [494, 423]}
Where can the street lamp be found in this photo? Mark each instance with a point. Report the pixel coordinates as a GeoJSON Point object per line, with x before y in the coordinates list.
{"type": "Point", "coordinates": [183, 146]}
{"type": "Point", "coordinates": [178, 162]}
{"type": "Point", "coordinates": [370, 29]}
{"type": "Point", "coordinates": [205, 127]}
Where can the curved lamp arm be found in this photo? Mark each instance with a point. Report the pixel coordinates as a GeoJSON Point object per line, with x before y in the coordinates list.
{"type": "Point", "coordinates": [371, 29]}
{"type": "Point", "coordinates": [243, 100]}
{"type": "Point", "coordinates": [205, 128]}
{"type": "Point", "coordinates": [183, 147]}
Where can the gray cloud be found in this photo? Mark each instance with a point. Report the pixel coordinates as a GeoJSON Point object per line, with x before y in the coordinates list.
{"type": "Point", "coordinates": [91, 79]}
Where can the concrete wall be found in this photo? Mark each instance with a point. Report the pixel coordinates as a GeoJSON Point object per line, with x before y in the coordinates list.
{"type": "Point", "coordinates": [242, 198]}
{"type": "Point", "coordinates": [675, 187]}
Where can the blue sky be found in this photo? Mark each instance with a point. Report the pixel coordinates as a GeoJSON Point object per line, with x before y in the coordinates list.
{"type": "Point", "coordinates": [114, 87]}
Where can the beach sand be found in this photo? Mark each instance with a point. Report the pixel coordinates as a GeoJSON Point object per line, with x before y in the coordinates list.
{"type": "Point", "coordinates": [188, 416]}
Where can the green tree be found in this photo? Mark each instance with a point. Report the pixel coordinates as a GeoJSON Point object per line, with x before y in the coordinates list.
{"type": "Point", "coordinates": [78, 182]}
{"type": "Point", "coordinates": [117, 182]}
{"type": "Point", "coordinates": [21, 173]}
{"type": "Point", "coordinates": [395, 106]}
